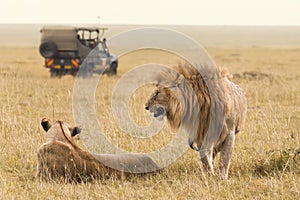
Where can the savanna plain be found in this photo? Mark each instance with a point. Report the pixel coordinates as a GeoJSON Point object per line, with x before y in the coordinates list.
{"type": "Point", "coordinates": [266, 158]}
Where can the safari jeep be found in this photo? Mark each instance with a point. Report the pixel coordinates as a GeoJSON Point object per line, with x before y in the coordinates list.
{"type": "Point", "coordinates": [66, 48]}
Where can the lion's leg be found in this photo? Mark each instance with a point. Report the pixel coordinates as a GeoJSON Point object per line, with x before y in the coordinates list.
{"type": "Point", "coordinates": [207, 161]}
{"type": "Point", "coordinates": [226, 153]}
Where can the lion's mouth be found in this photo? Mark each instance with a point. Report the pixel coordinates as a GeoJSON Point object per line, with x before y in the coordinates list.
{"type": "Point", "coordinates": [158, 112]}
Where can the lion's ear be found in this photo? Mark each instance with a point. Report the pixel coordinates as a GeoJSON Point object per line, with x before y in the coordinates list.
{"type": "Point", "coordinates": [179, 80]}
{"type": "Point", "coordinates": [46, 124]}
{"type": "Point", "coordinates": [74, 131]}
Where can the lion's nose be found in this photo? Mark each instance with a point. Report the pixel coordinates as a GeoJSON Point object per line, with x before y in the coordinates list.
{"type": "Point", "coordinates": [147, 107]}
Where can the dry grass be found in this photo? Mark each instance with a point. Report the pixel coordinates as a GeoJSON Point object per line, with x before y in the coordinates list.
{"type": "Point", "coordinates": [265, 163]}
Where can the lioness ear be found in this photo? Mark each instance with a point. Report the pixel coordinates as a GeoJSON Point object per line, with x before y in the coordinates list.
{"type": "Point", "coordinates": [46, 124]}
{"type": "Point", "coordinates": [74, 131]}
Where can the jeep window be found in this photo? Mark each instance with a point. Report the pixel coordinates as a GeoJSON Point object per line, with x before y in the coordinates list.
{"type": "Point", "coordinates": [88, 38]}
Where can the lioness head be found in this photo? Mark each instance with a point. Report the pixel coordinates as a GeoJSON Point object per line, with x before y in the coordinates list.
{"type": "Point", "coordinates": [59, 131]}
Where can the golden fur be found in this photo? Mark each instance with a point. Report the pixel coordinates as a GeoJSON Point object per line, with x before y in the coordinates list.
{"type": "Point", "coordinates": [178, 95]}
{"type": "Point", "coordinates": [61, 158]}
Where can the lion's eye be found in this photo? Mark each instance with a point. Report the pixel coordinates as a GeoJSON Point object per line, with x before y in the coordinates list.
{"type": "Point", "coordinates": [155, 94]}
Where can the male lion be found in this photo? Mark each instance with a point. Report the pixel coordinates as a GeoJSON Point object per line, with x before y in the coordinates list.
{"type": "Point", "coordinates": [178, 103]}
{"type": "Point", "coordinates": [61, 158]}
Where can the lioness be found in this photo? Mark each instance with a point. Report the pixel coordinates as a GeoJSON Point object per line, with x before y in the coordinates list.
{"type": "Point", "coordinates": [61, 158]}
{"type": "Point", "coordinates": [228, 95]}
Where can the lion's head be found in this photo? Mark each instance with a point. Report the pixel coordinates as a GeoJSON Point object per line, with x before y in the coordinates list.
{"type": "Point", "coordinates": [163, 103]}
{"type": "Point", "coordinates": [59, 131]}
{"type": "Point", "coordinates": [168, 99]}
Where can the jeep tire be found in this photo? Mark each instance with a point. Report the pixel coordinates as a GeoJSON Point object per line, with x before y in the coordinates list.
{"type": "Point", "coordinates": [48, 49]}
{"type": "Point", "coordinates": [112, 69]}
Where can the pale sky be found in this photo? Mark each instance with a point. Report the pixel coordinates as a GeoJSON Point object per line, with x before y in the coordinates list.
{"type": "Point", "coordinates": [178, 12]}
